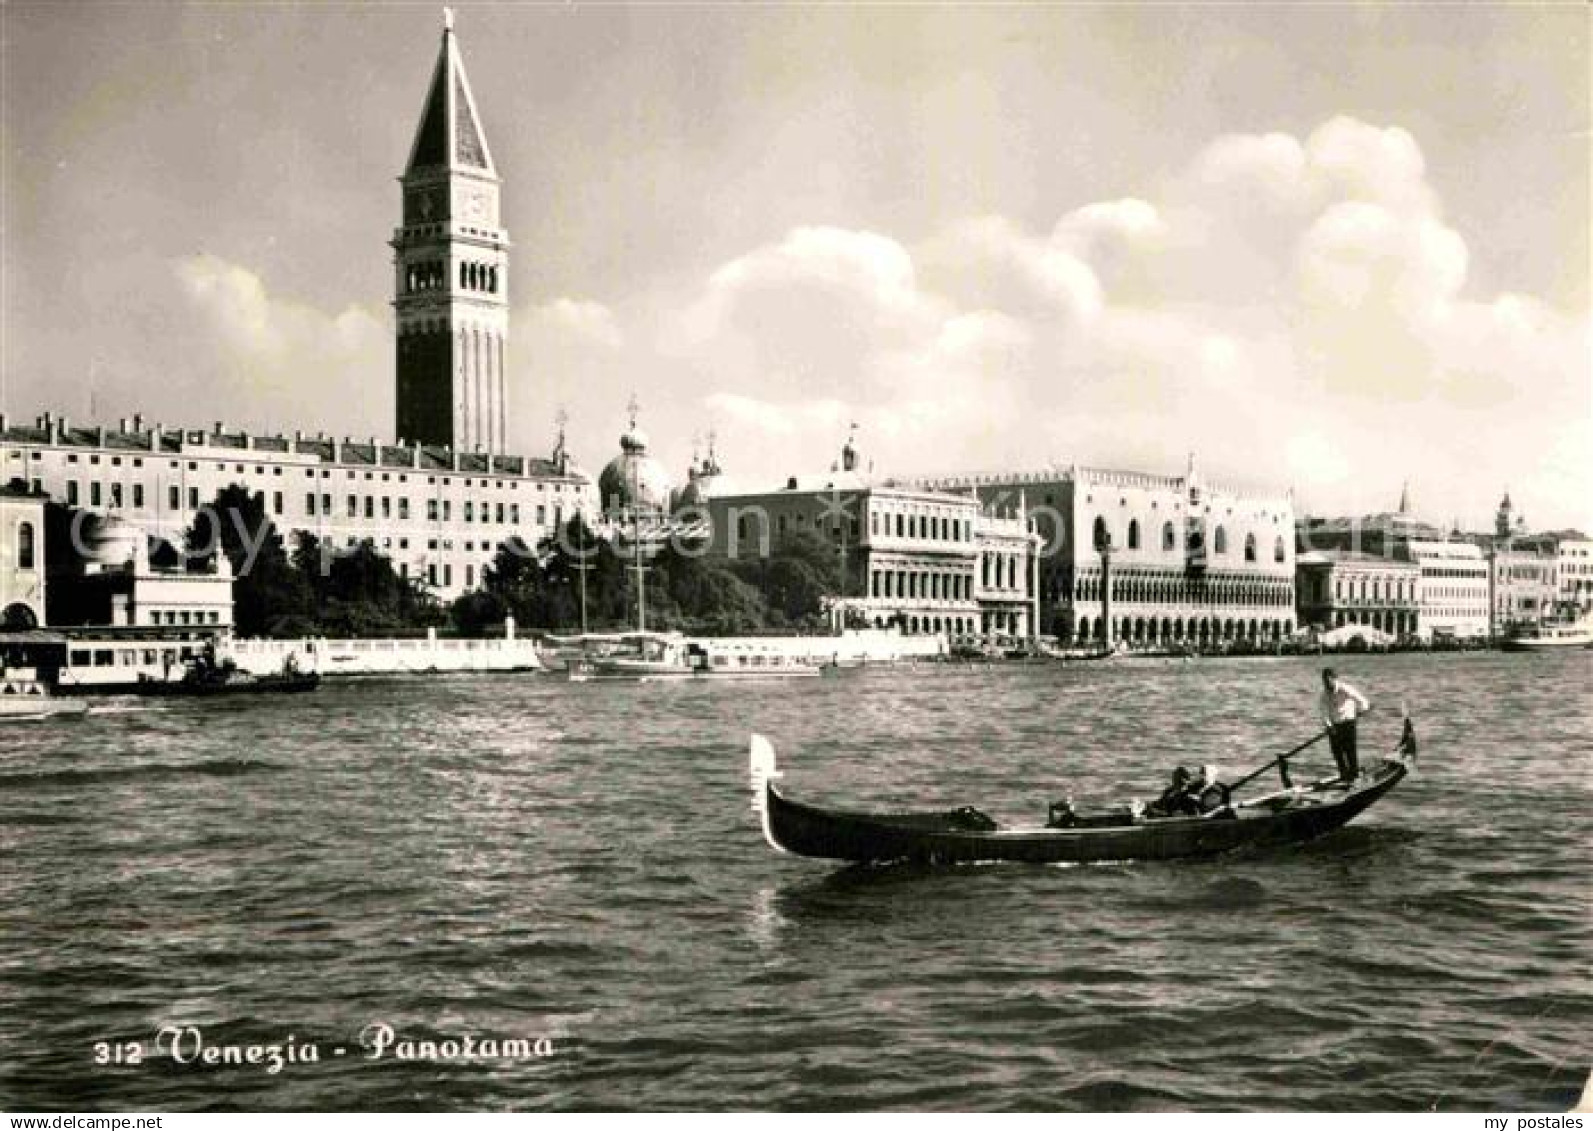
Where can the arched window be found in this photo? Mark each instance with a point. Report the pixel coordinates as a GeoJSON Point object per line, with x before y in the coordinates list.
{"type": "Point", "coordinates": [1101, 536]}
{"type": "Point", "coordinates": [25, 546]}
{"type": "Point", "coordinates": [1250, 547]}
{"type": "Point", "coordinates": [1133, 534]}
{"type": "Point", "coordinates": [1219, 541]}
{"type": "Point", "coordinates": [1278, 551]}
{"type": "Point", "coordinates": [1169, 539]}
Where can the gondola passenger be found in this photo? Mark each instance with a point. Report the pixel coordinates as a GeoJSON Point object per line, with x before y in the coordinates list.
{"type": "Point", "coordinates": [1176, 800]}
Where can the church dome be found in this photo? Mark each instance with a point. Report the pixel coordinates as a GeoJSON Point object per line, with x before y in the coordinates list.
{"type": "Point", "coordinates": [702, 480]}
{"type": "Point", "coordinates": [634, 480]}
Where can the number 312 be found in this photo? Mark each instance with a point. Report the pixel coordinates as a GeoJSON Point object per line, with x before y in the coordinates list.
{"type": "Point", "coordinates": [106, 1053]}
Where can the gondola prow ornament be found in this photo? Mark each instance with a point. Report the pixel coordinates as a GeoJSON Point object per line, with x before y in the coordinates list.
{"type": "Point", "coordinates": [763, 771]}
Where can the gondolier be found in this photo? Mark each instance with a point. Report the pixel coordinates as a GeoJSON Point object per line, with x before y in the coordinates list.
{"type": "Point", "coordinates": [1341, 705]}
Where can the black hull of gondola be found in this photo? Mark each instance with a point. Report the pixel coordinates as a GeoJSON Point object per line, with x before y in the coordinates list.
{"type": "Point", "coordinates": [862, 838]}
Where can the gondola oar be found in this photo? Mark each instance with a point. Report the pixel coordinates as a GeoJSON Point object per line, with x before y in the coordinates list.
{"type": "Point", "coordinates": [1282, 759]}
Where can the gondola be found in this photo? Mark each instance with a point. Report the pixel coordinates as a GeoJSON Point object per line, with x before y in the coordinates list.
{"type": "Point", "coordinates": [1288, 815]}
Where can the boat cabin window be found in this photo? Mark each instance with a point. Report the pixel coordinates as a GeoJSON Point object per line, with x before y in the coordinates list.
{"type": "Point", "coordinates": [80, 657]}
{"type": "Point", "coordinates": [104, 658]}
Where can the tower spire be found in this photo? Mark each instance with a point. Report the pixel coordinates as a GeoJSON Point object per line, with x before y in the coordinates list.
{"type": "Point", "coordinates": [450, 134]}
{"type": "Point", "coordinates": [452, 267]}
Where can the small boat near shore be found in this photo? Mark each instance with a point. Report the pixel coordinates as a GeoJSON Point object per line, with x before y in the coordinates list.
{"type": "Point", "coordinates": [647, 657]}
{"type": "Point", "coordinates": [23, 696]}
{"type": "Point", "coordinates": [1290, 815]}
{"type": "Point", "coordinates": [1551, 638]}
{"type": "Point", "coordinates": [205, 677]}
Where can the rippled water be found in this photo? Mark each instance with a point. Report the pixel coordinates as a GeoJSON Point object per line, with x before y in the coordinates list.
{"type": "Point", "coordinates": [518, 856]}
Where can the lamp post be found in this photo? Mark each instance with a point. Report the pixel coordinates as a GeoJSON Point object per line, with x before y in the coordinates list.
{"type": "Point", "coordinates": [581, 567]}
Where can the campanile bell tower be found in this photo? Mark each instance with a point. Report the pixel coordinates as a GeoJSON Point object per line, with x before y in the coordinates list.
{"type": "Point", "coordinates": [451, 287]}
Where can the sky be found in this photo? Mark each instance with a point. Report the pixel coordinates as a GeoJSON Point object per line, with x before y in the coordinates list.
{"type": "Point", "coordinates": [1327, 248]}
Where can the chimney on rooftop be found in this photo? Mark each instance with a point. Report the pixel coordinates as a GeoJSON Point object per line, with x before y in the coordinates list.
{"type": "Point", "coordinates": [138, 422]}
{"type": "Point", "coordinates": [121, 424]}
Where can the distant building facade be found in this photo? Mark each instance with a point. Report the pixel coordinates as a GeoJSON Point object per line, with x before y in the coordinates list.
{"type": "Point", "coordinates": [1186, 562]}
{"type": "Point", "coordinates": [102, 572]}
{"type": "Point", "coordinates": [1454, 586]}
{"type": "Point", "coordinates": [1339, 587]}
{"type": "Point", "coordinates": [440, 514]}
{"type": "Point", "coordinates": [1523, 591]}
{"type": "Point", "coordinates": [927, 562]}
{"type": "Point", "coordinates": [1572, 554]}
{"type": "Point", "coordinates": [22, 555]}
{"type": "Point", "coordinates": [1454, 598]}
{"type": "Point", "coordinates": [1524, 573]}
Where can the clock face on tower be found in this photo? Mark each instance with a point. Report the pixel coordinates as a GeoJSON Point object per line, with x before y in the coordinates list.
{"type": "Point", "coordinates": [423, 206]}
{"type": "Point", "coordinates": [475, 205]}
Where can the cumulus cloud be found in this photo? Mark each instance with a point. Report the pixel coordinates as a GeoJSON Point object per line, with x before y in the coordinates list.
{"type": "Point", "coordinates": [990, 262]}
{"type": "Point", "coordinates": [1298, 308]}
{"type": "Point", "coordinates": [580, 320]}
{"type": "Point", "coordinates": [283, 360]}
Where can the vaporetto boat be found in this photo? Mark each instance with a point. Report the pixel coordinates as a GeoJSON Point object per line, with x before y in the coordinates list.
{"type": "Point", "coordinates": [659, 656]}
{"type": "Point", "coordinates": [1552, 637]}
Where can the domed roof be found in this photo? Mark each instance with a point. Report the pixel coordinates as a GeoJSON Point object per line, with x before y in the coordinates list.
{"type": "Point", "coordinates": [634, 480]}
{"type": "Point", "coordinates": [693, 494]}
{"type": "Point", "coordinates": [106, 540]}
{"type": "Point", "coordinates": [702, 480]}
{"type": "Point", "coordinates": [634, 440]}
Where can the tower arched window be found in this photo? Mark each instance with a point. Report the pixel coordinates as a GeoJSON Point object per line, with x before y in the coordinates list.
{"type": "Point", "coordinates": [1279, 553]}
{"type": "Point", "coordinates": [25, 549]}
{"type": "Point", "coordinates": [1219, 541]}
{"type": "Point", "coordinates": [1250, 547]}
{"type": "Point", "coordinates": [1169, 537]}
{"type": "Point", "coordinates": [1133, 534]}
{"type": "Point", "coordinates": [1102, 536]}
